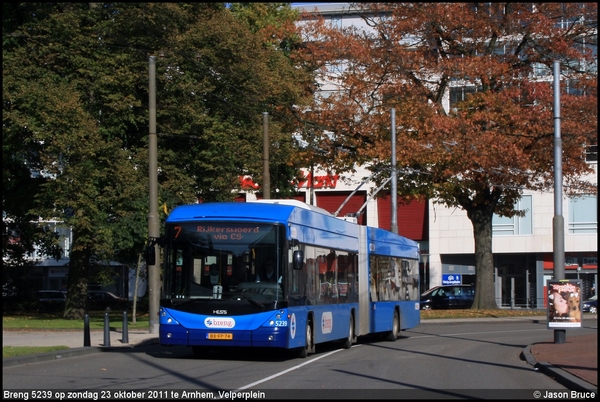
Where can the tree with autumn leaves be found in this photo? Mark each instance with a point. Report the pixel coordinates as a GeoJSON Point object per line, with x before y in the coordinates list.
{"type": "Point", "coordinates": [472, 89]}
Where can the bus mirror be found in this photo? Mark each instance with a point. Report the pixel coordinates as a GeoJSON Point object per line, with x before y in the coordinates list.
{"type": "Point", "coordinates": [298, 262]}
{"type": "Point", "coordinates": [150, 255]}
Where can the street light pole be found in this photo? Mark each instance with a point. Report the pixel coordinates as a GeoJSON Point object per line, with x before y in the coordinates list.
{"type": "Point", "coordinates": [394, 190]}
{"type": "Point", "coordinates": [558, 223]}
{"type": "Point", "coordinates": [266, 172]}
{"type": "Point", "coordinates": [153, 220]}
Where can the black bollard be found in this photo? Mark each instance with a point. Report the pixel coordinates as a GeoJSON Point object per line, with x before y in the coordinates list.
{"type": "Point", "coordinates": [125, 335]}
{"type": "Point", "coordinates": [86, 330]}
{"type": "Point", "coordinates": [560, 336]}
{"type": "Point", "coordinates": [106, 330]}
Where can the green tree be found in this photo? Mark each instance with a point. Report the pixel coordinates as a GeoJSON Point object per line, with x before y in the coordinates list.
{"type": "Point", "coordinates": [75, 91]}
{"type": "Point", "coordinates": [480, 153]}
{"type": "Point", "coordinates": [226, 70]}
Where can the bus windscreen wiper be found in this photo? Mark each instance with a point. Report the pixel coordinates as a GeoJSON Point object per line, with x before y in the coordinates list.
{"type": "Point", "coordinates": [251, 300]}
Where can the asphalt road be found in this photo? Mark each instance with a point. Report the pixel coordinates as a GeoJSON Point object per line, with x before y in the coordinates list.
{"type": "Point", "coordinates": [437, 360]}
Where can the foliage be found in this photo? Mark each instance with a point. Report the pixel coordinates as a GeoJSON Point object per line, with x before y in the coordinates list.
{"type": "Point", "coordinates": [75, 113]}
{"type": "Point", "coordinates": [474, 115]}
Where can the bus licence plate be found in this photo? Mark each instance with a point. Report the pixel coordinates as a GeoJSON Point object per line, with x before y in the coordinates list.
{"type": "Point", "coordinates": [219, 336]}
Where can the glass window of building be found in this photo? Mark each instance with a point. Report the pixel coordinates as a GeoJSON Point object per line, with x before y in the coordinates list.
{"type": "Point", "coordinates": [517, 225]}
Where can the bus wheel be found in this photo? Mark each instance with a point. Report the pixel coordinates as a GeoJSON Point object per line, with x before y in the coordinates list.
{"type": "Point", "coordinates": [308, 347]}
{"type": "Point", "coordinates": [347, 343]}
{"type": "Point", "coordinates": [393, 334]}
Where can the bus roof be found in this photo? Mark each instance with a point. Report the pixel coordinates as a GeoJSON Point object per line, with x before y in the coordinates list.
{"type": "Point", "coordinates": [304, 222]}
{"type": "Point", "coordinates": [241, 211]}
{"type": "Point", "coordinates": [295, 203]}
{"type": "Point", "coordinates": [388, 243]}
{"type": "Point", "coordinates": [272, 210]}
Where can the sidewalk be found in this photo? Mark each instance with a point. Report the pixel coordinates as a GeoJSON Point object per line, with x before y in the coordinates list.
{"type": "Point", "coordinates": [76, 339]}
{"type": "Point", "coordinates": [574, 363]}
{"type": "Point", "coordinates": [567, 363]}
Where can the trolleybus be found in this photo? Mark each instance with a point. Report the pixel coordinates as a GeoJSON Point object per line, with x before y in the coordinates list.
{"type": "Point", "coordinates": [334, 280]}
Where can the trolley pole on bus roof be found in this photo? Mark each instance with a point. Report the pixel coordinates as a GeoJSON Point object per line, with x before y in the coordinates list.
{"type": "Point", "coordinates": [558, 224]}
{"type": "Point", "coordinates": [153, 220]}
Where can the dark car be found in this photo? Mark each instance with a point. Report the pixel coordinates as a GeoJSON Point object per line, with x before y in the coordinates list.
{"type": "Point", "coordinates": [51, 300]}
{"type": "Point", "coordinates": [52, 296]}
{"type": "Point", "coordinates": [448, 297]}
{"type": "Point", "coordinates": [100, 300]}
{"type": "Point", "coordinates": [590, 306]}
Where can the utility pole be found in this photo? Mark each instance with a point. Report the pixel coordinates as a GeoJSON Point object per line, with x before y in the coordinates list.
{"type": "Point", "coordinates": [153, 220]}
{"type": "Point", "coordinates": [394, 190]}
{"type": "Point", "coordinates": [266, 173]}
{"type": "Point", "coordinates": [558, 223]}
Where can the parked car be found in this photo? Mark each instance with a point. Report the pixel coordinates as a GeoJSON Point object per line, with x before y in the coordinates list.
{"type": "Point", "coordinates": [100, 300]}
{"type": "Point", "coordinates": [448, 297]}
{"type": "Point", "coordinates": [590, 306]}
{"type": "Point", "coordinates": [51, 300]}
{"type": "Point", "coordinates": [52, 296]}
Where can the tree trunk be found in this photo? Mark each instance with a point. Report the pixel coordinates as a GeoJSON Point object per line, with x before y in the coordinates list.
{"type": "Point", "coordinates": [484, 259]}
{"type": "Point", "coordinates": [77, 283]}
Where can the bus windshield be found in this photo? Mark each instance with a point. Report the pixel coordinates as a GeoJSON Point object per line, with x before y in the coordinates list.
{"type": "Point", "coordinates": [215, 260]}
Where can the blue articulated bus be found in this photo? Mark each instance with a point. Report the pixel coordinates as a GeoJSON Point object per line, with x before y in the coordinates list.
{"type": "Point", "coordinates": [334, 280]}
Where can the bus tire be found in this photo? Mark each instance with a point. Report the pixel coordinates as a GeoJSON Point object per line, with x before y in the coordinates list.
{"type": "Point", "coordinates": [347, 343]}
{"type": "Point", "coordinates": [309, 346]}
{"type": "Point", "coordinates": [393, 334]}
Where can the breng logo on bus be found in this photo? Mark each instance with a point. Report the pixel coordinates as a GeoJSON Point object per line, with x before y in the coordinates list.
{"type": "Point", "coordinates": [219, 322]}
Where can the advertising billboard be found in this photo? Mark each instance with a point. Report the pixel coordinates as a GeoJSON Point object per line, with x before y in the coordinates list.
{"type": "Point", "coordinates": [564, 304]}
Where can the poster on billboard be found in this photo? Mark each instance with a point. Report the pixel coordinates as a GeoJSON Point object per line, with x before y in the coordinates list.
{"type": "Point", "coordinates": [564, 304]}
